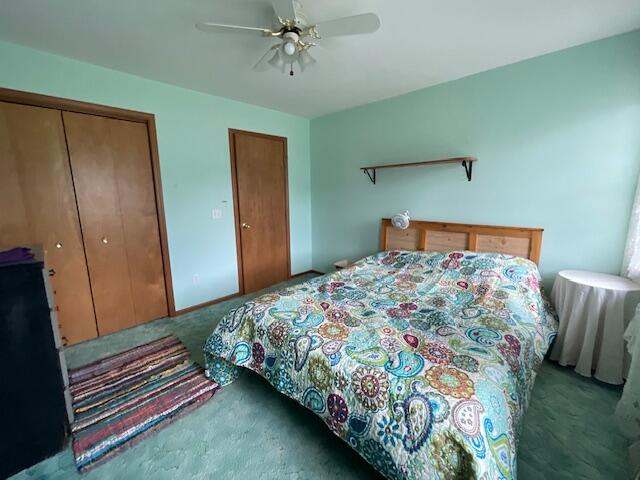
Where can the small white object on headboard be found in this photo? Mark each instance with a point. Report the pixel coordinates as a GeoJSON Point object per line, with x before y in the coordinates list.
{"type": "Point", "coordinates": [401, 220]}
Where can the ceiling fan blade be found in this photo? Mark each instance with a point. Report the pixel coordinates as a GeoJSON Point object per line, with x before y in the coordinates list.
{"type": "Point", "coordinates": [284, 9]}
{"type": "Point", "coordinates": [263, 63]}
{"type": "Point", "coordinates": [211, 27]}
{"type": "Point", "coordinates": [355, 25]}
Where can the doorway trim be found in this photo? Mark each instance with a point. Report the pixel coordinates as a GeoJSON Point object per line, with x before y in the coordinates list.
{"type": "Point", "coordinates": [236, 203]}
{"type": "Point", "coordinates": [45, 101]}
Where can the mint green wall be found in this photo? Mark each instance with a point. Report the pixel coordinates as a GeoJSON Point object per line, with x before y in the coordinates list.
{"type": "Point", "coordinates": [558, 138]}
{"type": "Point", "coordinates": [194, 161]}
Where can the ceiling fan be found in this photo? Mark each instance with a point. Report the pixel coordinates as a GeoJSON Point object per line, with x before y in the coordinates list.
{"type": "Point", "coordinates": [296, 34]}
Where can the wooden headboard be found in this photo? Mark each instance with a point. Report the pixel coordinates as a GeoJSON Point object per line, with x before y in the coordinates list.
{"type": "Point", "coordinates": [442, 237]}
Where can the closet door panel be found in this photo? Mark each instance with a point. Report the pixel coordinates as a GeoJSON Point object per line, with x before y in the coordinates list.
{"type": "Point", "coordinates": [38, 206]}
{"type": "Point", "coordinates": [92, 163]}
{"type": "Point", "coordinates": [136, 192]}
{"type": "Point", "coordinates": [14, 225]}
{"type": "Point", "coordinates": [112, 173]}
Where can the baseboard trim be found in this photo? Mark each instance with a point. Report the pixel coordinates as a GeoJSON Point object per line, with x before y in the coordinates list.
{"type": "Point", "coordinates": [291, 277]}
{"type": "Point", "coordinates": [205, 304]}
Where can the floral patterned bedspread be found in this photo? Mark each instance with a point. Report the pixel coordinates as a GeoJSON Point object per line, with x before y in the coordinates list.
{"type": "Point", "coordinates": [422, 362]}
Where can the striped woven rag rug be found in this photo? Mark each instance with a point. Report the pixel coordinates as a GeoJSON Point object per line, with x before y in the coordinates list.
{"type": "Point", "coordinates": [122, 399]}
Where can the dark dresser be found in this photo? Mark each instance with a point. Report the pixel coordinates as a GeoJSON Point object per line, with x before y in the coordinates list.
{"type": "Point", "coordinates": [34, 406]}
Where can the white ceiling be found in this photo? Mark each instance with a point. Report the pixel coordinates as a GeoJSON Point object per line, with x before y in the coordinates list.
{"type": "Point", "coordinates": [420, 43]}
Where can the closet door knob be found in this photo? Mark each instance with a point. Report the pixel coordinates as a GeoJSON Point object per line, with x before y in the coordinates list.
{"type": "Point", "coordinates": [105, 240]}
{"type": "Point", "coordinates": [246, 226]}
{"type": "Point", "coordinates": [58, 244]}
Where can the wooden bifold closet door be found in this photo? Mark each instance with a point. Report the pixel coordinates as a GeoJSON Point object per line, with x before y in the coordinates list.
{"type": "Point", "coordinates": [38, 206]}
{"type": "Point", "coordinates": [111, 165]}
{"type": "Point", "coordinates": [82, 186]}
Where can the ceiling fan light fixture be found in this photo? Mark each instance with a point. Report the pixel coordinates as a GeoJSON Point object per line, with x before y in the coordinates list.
{"type": "Point", "coordinates": [305, 59]}
{"type": "Point", "coordinates": [289, 48]}
{"type": "Point", "coordinates": [277, 62]}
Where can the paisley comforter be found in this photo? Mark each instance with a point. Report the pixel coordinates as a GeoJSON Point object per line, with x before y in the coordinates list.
{"type": "Point", "coordinates": [422, 362]}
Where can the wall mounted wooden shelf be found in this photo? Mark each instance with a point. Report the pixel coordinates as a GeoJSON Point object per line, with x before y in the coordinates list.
{"type": "Point", "coordinates": [467, 163]}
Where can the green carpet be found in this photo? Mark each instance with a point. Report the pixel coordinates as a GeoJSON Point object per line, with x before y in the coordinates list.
{"type": "Point", "coordinates": [250, 431]}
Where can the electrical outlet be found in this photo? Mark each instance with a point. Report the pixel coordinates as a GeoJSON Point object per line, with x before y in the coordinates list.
{"type": "Point", "coordinates": [216, 213]}
{"type": "Point", "coordinates": [196, 279]}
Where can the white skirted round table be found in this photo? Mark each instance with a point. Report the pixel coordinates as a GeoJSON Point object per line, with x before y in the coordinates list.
{"type": "Point", "coordinates": [594, 309]}
{"type": "Point", "coordinates": [628, 409]}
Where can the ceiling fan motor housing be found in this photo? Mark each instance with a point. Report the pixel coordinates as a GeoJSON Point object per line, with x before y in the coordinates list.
{"type": "Point", "coordinates": [291, 37]}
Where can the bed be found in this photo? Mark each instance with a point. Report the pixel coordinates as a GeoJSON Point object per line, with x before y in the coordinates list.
{"type": "Point", "coordinates": [421, 357]}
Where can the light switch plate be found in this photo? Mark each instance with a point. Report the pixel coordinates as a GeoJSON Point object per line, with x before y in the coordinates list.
{"type": "Point", "coordinates": [216, 213]}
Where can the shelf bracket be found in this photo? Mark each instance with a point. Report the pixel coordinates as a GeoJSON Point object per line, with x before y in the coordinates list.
{"type": "Point", "coordinates": [371, 177]}
{"type": "Point", "coordinates": [468, 168]}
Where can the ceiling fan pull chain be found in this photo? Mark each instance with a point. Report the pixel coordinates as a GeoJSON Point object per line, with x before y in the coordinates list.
{"type": "Point", "coordinates": [291, 71]}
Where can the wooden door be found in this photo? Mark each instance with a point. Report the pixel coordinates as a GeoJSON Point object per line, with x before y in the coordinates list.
{"type": "Point", "coordinates": [259, 168]}
{"type": "Point", "coordinates": [37, 206]}
{"type": "Point", "coordinates": [112, 173]}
